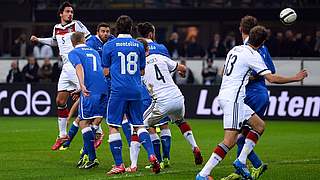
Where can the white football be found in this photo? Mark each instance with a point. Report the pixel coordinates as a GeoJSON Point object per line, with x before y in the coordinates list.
{"type": "Point", "coordinates": [288, 16]}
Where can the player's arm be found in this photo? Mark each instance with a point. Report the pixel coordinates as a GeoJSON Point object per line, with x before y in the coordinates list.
{"type": "Point", "coordinates": [48, 41]}
{"type": "Point", "coordinates": [106, 59]}
{"type": "Point", "coordinates": [82, 28]}
{"type": "Point", "coordinates": [175, 66]}
{"type": "Point", "coordinates": [142, 58]}
{"type": "Point", "coordinates": [278, 79]}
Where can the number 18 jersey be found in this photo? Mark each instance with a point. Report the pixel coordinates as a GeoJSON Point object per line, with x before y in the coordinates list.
{"type": "Point", "coordinates": [240, 61]}
{"type": "Point", "coordinates": [158, 78]}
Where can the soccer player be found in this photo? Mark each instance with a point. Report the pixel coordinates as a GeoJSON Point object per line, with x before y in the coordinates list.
{"type": "Point", "coordinates": [257, 98]}
{"type": "Point", "coordinates": [239, 62]}
{"type": "Point", "coordinates": [95, 42]}
{"type": "Point", "coordinates": [124, 60]}
{"type": "Point", "coordinates": [147, 31]}
{"type": "Point", "coordinates": [93, 98]}
{"type": "Point", "coordinates": [68, 81]}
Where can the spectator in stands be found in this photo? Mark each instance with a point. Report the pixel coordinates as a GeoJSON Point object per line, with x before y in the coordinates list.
{"type": "Point", "coordinates": [270, 42]}
{"type": "Point", "coordinates": [46, 51]}
{"type": "Point", "coordinates": [36, 50]}
{"type": "Point", "coordinates": [30, 70]}
{"type": "Point", "coordinates": [210, 74]}
{"type": "Point", "coordinates": [289, 46]}
{"type": "Point", "coordinates": [188, 79]}
{"type": "Point", "coordinates": [56, 71]}
{"type": "Point", "coordinates": [14, 74]}
{"type": "Point", "coordinates": [278, 48]}
{"type": "Point", "coordinates": [21, 48]}
{"type": "Point", "coordinates": [317, 44]}
{"type": "Point", "coordinates": [175, 48]}
{"type": "Point", "coordinates": [216, 47]}
{"type": "Point", "coordinates": [193, 48]}
{"type": "Point", "coordinates": [45, 72]}
{"type": "Point", "coordinates": [229, 41]}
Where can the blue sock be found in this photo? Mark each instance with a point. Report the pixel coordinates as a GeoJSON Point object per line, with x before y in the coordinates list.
{"type": "Point", "coordinates": [156, 146]}
{"type": "Point", "coordinates": [253, 157]}
{"type": "Point", "coordinates": [72, 133]}
{"type": "Point", "coordinates": [116, 148]}
{"type": "Point", "coordinates": [145, 140]}
{"type": "Point", "coordinates": [94, 129]}
{"type": "Point", "coordinates": [88, 140]}
{"type": "Point", "coordinates": [126, 128]}
{"type": "Point", "coordinates": [166, 142]}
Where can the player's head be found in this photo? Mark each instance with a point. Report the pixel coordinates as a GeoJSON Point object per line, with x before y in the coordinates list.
{"type": "Point", "coordinates": [145, 45]}
{"type": "Point", "coordinates": [103, 31]}
{"type": "Point", "coordinates": [247, 23]}
{"type": "Point", "coordinates": [257, 36]}
{"type": "Point", "coordinates": [124, 24]}
{"type": "Point", "coordinates": [65, 12]}
{"type": "Point", "coordinates": [77, 38]}
{"type": "Point", "coordinates": [147, 30]}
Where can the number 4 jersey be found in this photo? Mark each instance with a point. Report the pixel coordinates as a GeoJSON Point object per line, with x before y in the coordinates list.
{"type": "Point", "coordinates": [158, 78]}
{"type": "Point", "coordinates": [239, 62]}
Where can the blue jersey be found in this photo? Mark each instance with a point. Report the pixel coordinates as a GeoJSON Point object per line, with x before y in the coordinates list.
{"type": "Point", "coordinates": [91, 62]}
{"type": "Point", "coordinates": [155, 48]}
{"type": "Point", "coordinates": [259, 83]}
{"type": "Point", "coordinates": [125, 57]}
{"type": "Point", "coordinates": [96, 43]}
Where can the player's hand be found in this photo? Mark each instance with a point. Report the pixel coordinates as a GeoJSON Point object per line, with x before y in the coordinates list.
{"type": "Point", "coordinates": [75, 94]}
{"type": "Point", "coordinates": [84, 90]}
{"type": "Point", "coordinates": [34, 39]}
{"type": "Point", "coordinates": [301, 75]}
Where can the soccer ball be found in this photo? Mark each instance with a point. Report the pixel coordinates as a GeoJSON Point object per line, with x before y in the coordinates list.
{"type": "Point", "coordinates": [288, 16]}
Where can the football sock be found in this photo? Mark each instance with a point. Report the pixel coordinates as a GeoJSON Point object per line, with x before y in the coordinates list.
{"type": "Point", "coordinates": [166, 142]}
{"type": "Point", "coordinates": [88, 141]}
{"type": "Point", "coordinates": [187, 133]}
{"type": "Point", "coordinates": [72, 132]}
{"type": "Point", "coordinates": [99, 130]}
{"type": "Point", "coordinates": [156, 145]}
{"type": "Point", "coordinates": [253, 157]}
{"type": "Point", "coordinates": [134, 150]}
{"type": "Point", "coordinates": [116, 148]}
{"type": "Point", "coordinates": [95, 129]}
{"type": "Point", "coordinates": [63, 113]}
{"type": "Point", "coordinates": [218, 154]}
{"type": "Point", "coordinates": [145, 140]}
{"type": "Point", "coordinates": [126, 128]}
{"type": "Point", "coordinates": [250, 142]}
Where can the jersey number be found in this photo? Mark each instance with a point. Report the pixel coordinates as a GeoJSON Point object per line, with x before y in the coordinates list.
{"type": "Point", "coordinates": [159, 76]}
{"type": "Point", "coordinates": [94, 61]}
{"type": "Point", "coordinates": [131, 67]}
{"type": "Point", "coordinates": [230, 64]}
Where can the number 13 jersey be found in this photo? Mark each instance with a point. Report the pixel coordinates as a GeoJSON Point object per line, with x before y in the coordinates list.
{"type": "Point", "coordinates": [158, 78]}
{"type": "Point", "coordinates": [239, 62]}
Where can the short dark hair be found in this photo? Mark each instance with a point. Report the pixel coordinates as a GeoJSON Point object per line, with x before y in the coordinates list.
{"type": "Point", "coordinates": [247, 23]}
{"type": "Point", "coordinates": [64, 5]}
{"type": "Point", "coordinates": [144, 42]}
{"type": "Point", "coordinates": [103, 24]}
{"type": "Point", "coordinates": [124, 24]}
{"type": "Point", "coordinates": [145, 28]}
{"type": "Point", "coordinates": [257, 36]}
{"type": "Point", "coordinates": [77, 37]}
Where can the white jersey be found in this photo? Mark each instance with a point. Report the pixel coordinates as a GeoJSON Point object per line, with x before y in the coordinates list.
{"type": "Point", "coordinates": [62, 34]}
{"type": "Point", "coordinates": [240, 61]}
{"type": "Point", "coordinates": [158, 78]}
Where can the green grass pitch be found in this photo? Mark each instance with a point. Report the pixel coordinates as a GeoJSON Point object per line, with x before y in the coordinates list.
{"type": "Point", "coordinates": [292, 150]}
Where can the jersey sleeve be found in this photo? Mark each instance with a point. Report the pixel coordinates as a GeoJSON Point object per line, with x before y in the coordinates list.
{"type": "Point", "coordinates": [74, 58]}
{"type": "Point", "coordinates": [81, 28]}
{"type": "Point", "coordinates": [257, 64]}
{"type": "Point", "coordinates": [90, 43]}
{"type": "Point", "coordinates": [142, 56]}
{"type": "Point", "coordinates": [165, 51]}
{"type": "Point", "coordinates": [106, 56]}
{"type": "Point", "coordinates": [54, 34]}
{"type": "Point", "coordinates": [172, 65]}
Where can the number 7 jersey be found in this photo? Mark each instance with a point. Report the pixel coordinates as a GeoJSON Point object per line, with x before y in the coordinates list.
{"type": "Point", "coordinates": [158, 78]}
{"type": "Point", "coordinates": [239, 62]}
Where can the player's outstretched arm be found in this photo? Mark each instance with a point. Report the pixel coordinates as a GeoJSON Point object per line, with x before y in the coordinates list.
{"type": "Point", "coordinates": [80, 75]}
{"type": "Point", "coordinates": [47, 41]}
{"type": "Point", "coordinates": [277, 79]}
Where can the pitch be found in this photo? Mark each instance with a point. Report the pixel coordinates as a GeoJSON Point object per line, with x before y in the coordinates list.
{"type": "Point", "coordinates": [292, 150]}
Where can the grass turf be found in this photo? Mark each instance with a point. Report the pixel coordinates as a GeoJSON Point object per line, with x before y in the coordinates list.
{"type": "Point", "coordinates": [292, 150]}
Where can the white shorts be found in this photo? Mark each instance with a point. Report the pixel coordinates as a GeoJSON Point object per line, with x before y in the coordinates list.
{"type": "Point", "coordinates": [234, 113]}
{"type": "Point", "coordinates": [174, 108]}
{"type": "Point", "coordinates": [68, 80]}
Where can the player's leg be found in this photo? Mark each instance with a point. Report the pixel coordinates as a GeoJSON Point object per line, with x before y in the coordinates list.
{"type": "Point", "coordinates": [134, 152]}
{"type": "Point", "coordinates": [155, 139]}
{"type": "Point", "coordinates": [126, 128]}
{"type": "Point", "coordinates": [166, 143]}
{"type": "Point", "coordinates": [97, 131]}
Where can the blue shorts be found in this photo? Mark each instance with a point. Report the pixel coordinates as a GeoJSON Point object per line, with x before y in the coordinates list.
{"type": "Point", "coordinates": [258, 101]}
{"type": "Point", "coordinates": [117, 107]}
{"type": "Point", "coordinates": [93, 106]}
{"type": "Point", "coordinates": [146, 103]}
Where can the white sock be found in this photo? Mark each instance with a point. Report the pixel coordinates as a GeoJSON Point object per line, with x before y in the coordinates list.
{"type": "Point", "coordinates": [62, 123]}
{"type": "Point", "coordinates": [134, 153]}
{"type": "Point", "coordinates": [189, 137]}
{"type": "Point", "coordinates": [212, 162]}
{"type": "Point", "coordinates": [247, 148]}
{"type": "Point", "coordinates": [154, 137]}
{"type": "Point", "coordinates": [75, 124]}
{"type": "Point", "coordinates": [99, 129]}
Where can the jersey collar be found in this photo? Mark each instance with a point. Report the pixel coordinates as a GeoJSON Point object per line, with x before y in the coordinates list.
{"type": "Point", "coordinates": [124, 36]}
{"type": "Point", "coordinates": [149, 40]}
{"type": "Point", "coordinates": [80, 45]}
{"type": "Point", "coordinates": [98, 38]}
{"type": "Point", "coordinates": [246, 40]}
